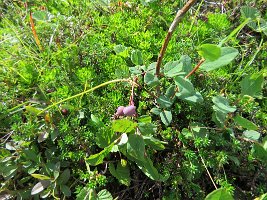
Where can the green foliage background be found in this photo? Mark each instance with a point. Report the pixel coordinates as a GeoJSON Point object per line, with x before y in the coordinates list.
{"type": "Point", "coordinates": [77, 51]}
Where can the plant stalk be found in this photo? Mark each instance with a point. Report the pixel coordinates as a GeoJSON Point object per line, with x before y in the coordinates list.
{"type": "Point", "coordinates": [84, 92]}
{"type": "Point", "coordinates": [174, 24]}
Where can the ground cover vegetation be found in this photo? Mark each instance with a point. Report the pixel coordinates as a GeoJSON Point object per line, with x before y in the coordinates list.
{"type": "Point", "coordinates": [90, 110]}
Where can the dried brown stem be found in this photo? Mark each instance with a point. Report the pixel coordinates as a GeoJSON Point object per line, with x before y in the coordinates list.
{"type": "Point", "coordinates": [195, 68]}
{"type": "Point", "coordinates": [34, 33]}
{"type": "Point", "coordinates": [174, 24]}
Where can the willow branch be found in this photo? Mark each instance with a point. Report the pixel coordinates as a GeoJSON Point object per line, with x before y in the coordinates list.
{"type": "Point", "coordinates": [174, 24]}
{"type": "Point", "coordinates": [195, 68]}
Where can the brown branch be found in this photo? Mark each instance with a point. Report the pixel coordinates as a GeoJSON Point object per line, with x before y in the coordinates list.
{"type": "Point", "coordinates": [195, 68]}
{"type": "Point", "coordinates": [174, 24]}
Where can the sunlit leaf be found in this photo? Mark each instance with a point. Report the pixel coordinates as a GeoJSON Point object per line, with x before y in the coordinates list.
{"type": "Point", "coordinates": [252, 135]}
{"type": "Point", "coordinates": [252, 85]}
{"type": "Point", "coordinates": [123, 125]}
{"type": "Point", "coordinates": [219, 194]}
{"type": "Point", "coordinates": [241, 121]}
{"type": "Point", "coordinates": [187, 91]}
{"type": "Point", "coordinates": [221, 104]}
{"type": "Point", "coordinates": [40, 176]}
{"type": "Point", "coordinates": [228, 54]}
{"type": "Point", "coordinates": [98, 158]}
{"type": "Point", "coordinates": [104, 195]}
{"type": "Point", "coordinates": [210, 52]}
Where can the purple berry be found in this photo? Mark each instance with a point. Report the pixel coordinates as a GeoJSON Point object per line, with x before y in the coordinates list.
{"type": "Point", "coordinates": [120, 111]}
{"type": "Point", "coordinates": [129, 111]}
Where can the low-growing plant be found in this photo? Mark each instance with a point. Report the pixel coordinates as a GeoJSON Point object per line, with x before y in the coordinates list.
{"type": "Point", "coordinates": [181, 126]}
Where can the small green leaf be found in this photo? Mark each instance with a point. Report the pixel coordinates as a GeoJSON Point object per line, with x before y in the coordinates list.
{"type": "Point", "coordinates": [219, 194]}
{"type": "Point", "coordinates": [98, 158]}
{"type": "Point", "coordinates": [41, 15]}
{"type": "Point", "coordinates": [259, 152]}
{"type": "Point", "coordinates": [155, 111]}
{"type": "Point", "coordinates": [119, 49]}
{"type": "Point", "coordinates": [221, 104]}
{"type": "Point", "coordinates": [136, 146]}
{"type": "Point", "coordinates": [104, 195]}
{"type": "Point", "coordinates": [104, 137]}
{"type": "Point", "coordinates": [136, 57]}
{"type": "Point", "coordinates": [56, 170]}
{"type": "Point", "coordinates": [9, 170]}
{"type": "Point", "coordinates": [228, 54]}
{"type": "Point", "coordinates": [148, 168]}
{"type": "Point", "coordinates": [123, 125]}
{"type": "Point", "coordinates": [219, 117]}
{"type": "Point", "coordinates": [64, 177]}
{"type": "Point", "coordinates": [41, 177]}
{"type": "Point", "coordinates": [144, 119]}
{"type": "Point", "coordinates": [252, 85]}
{"type": "Point", "coordinates": [122, 173]}
{"type": "Point", "coordinates": [262, 197]}
{"type": "Point", "coordinates": [173, 68]}
{"type": "Point", "coordinates": [253, 14]}
{"type": "Point", "coordinates": [185, 86]}
{"type": "Point", "coordinates": [151, 80]}
{"type": "Point", "coordinates": [30, 154]}
{"type": "Point", "coordinates": [154, 143]}
{"type": "Point", "coordinates": [135, 70]}
{"type": "Point", "coordinates": [32, 110]}
{"type": "Point", "coordinates": [147, 128]}
{"type": "Point", "coordinates": [241, 121]}
{"type": "Point", "coordinates": [97, 121]}
{"type": "Point", "coordinates": [166, 117]}
{"type": "Point", "coordinates": [252, 135]}
{"type": "Point", "coordinates": [187, 91]}
{"type": "Point", "coordinates": [152, 68]}
{"type": "Point", "coordinates": [87, 194]}
{"type": "Point", "coordinates": [187, 65]}
{"type": "Point", "coordinates": [164, 102]}
{"type": "Point", "coordinates": [170, 92]}
{"type": "Point", "coordinates": [210, 52]}
{"type": "Point", "coordinates": [65, 190]}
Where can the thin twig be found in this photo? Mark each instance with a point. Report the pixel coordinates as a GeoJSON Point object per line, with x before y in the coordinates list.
{"type": "Point", "coordinates": [174, 24]}
{"type": "Point", "coordinates": [202, 160]}
{"type": "Point", "coordinates": [195, 68]}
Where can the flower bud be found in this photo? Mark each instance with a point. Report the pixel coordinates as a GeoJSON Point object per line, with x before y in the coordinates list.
{"type": "Point", "coordinates": [120, 111]}
{"type": "Point", "coordinates": [129, 110]}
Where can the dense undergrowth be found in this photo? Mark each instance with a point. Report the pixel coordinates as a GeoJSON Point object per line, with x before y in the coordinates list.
{"type": "Point", "coordinates": [188, 134]}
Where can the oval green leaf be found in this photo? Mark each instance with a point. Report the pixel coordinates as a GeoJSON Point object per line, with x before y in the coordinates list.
{"type": "Point", "coordinates": [228, 54]}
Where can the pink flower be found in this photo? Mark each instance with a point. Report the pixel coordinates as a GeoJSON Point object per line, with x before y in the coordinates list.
{"type": "Point", "coordinates": [120, 111]}
{"type": "Point", "coordinates": [129, 110]}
